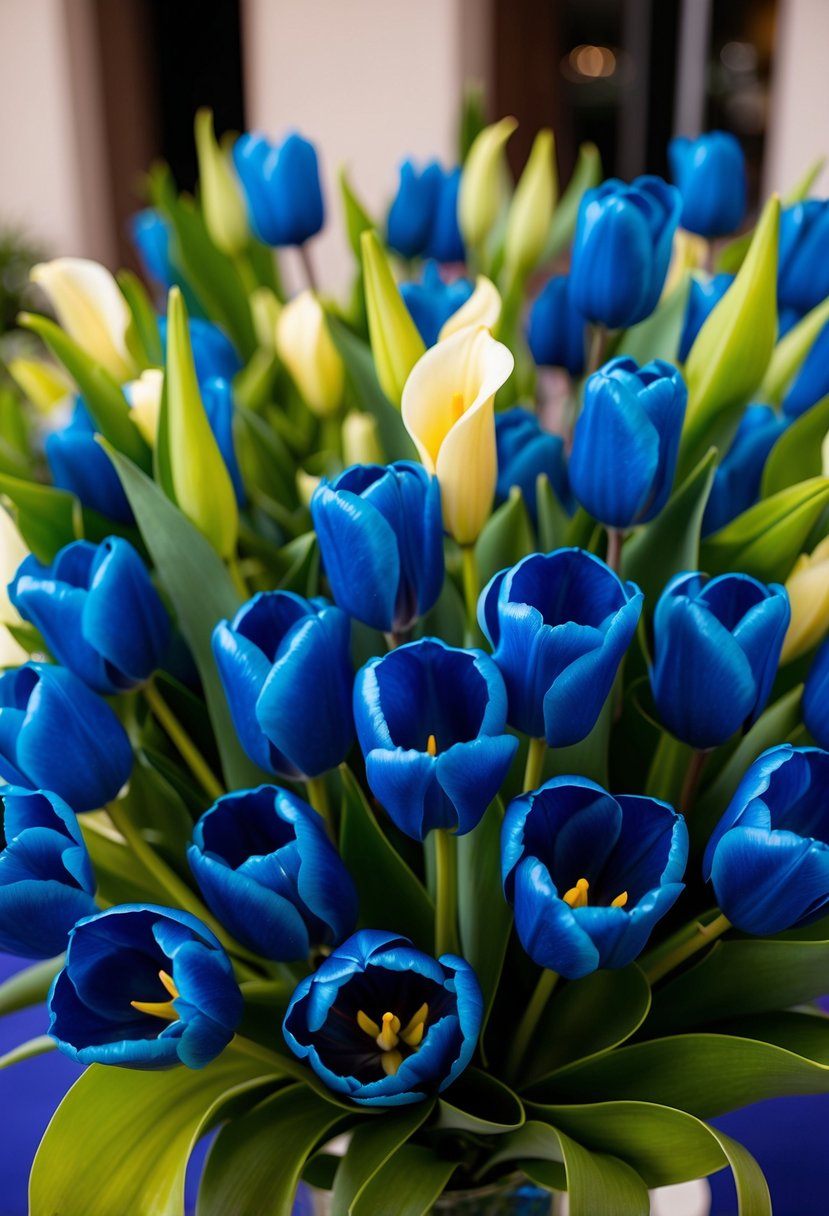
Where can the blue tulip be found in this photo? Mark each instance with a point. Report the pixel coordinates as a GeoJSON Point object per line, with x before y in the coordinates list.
{"type": "Point", "coordinates": [737, 481]}
{"type": "Point", "coordinates": [433, 301]}
{"type": "Point", "coordinates": [46, 880]}
{"type": "Point", "coordinates": [559, 624]}
{"type": "Point", "coordinates": [150, 234]}
{"type": "Point", "coordinates": [98, 612]}
{"type": "Point", "coordinates": [803, 258]}
{"type": "Point", "coordinates": [589, 874]}
{"type": "Point", "coordinates": [703, 298]}
{"type": "Point", "coordinates": [144, 987]}
{"type": "Point", "coordinates": [269, 873]}
{"type": "Point", "coordinates": [768, 858]}
{"type": "Point", "coordinates": [219, 405]}
{"type": "Point", "coordinates": [811, 383]}
{"type": "Point", "coordinates": [383, 1024]}
{"type": "Point", "coordinates": [626, 441]}
{"type": "Point", "coordinates": [213, 352]}
{"type": "Point", "coordinates": [431, 720]}
{"type": "Point", "coordinates": [716, 648]}
{"type": "Point", "coordinates": [285, 664]}
{"type": "Point", "coordinates": [80, 465]}
{"type": "Point", "coordinates": [526, 452]}
{"type": "Point", "coordinates": [710, 173]}
{"type": "Point", "coordinates": [282, 186]}
{"type": "Point", "coordinates": [816, 697]}
{"type": "Point", "coordinates": [423, 219]}
{"type": "Point", "coordinates": [445, 243]}
{"type": "Point", "coordinates": [556, 331]}
{"type": "Point", "coordinates": [57, 735]}
{"type": "Point", "coordinates": [380, 532]}
{"type": "Point", "coordinates": [622, 249]}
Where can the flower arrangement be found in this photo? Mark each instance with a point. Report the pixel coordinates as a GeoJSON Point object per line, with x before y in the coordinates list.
{"type": "Point", "coordinates": [413, 709]}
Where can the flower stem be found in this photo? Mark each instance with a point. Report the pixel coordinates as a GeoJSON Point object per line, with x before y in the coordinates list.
{"type": "Point", "coordinates": [529, 1022]}
{"type": "Point", "coordinates": [257, 1052]}
{"type": "Point", "coordinates": [598, 345]}
{"type": "Point", "coordinates": [186, 747]}
{"type": "Point", "coordinates": [690, 939]}
{"type": "Point", "coordinates": [691, 782]}
{"type": "Point", "coordinates": [308, 266]}
{"type": "Point", "coordinates": [535, 764]}
{"type": "Point", "coordinates": [613, 557]}
{"type": "Point", "coordinates": [446, 914]}
{"type": "Point", "coordinates": [318, 797]}
{"type": "Point", "coordinates": [469, 571]}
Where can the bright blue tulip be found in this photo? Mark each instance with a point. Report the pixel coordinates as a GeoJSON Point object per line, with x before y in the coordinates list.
{"type": "Point", "coordinates": [80, 465]}
{"type": "Point", "coordinates": [55, 734]}
{"type": "Point", "coordinates": [219, 405]}
{"type": "Point", "coordinates": [716, 648]}
{"type": "Point", "coordinates": [144, 987]}
{"type": "Point", "coordinates": [269, 873]}
{"type": "Point", "coordinates": [559, 624]}
{"type": "Point", "coordinates": [589, 874]}
{"type": "Point", "coordinates": [285, 664]}
{"type": "Point", "coordinates": [445, 243]}
{"type": "Point", "coordinates": [98, 612]}
{"type": "Point", "coordinates": [46, 881]}
{"type": "Point", "coordinates": [384, 1024]}
{"type": "Point", "coordinates": [622, 248]}
{"type": "Point", "coordinates": [626, 441]}
{"type": "Point", "coordinates": [423, 219]}
{"type": "Point", "coordinates": [710, 173]}
{"type": "Point", "coordinates": [433, 300]}
{"type": "Point", "coordinates": [816, 697]}
{"type": "Point", "coordinates": [736, 485]}
{"type": "Point", "coordinates": [525, 452]}
{"type": "Point", "coordinates": [282, 186]}
{"type": "Point", "coordinates": [556, 331]}
{"type": "Point", "coordinates": [768, 858]}
{"type": "Point", "coordinates": [213, 352]}
{"type": "Point", "coordinates": [431, 720]}
{"type": "Point", "coordinates": [812, 381]}
{"type": "Point", "coordinates": [803, 259]}
{"type": "Point", "coordinates": [380, 532]}
{"type": "Point", "coordinates": [703, 298]}
{"type": "Point", "coordinates": [150, 234]}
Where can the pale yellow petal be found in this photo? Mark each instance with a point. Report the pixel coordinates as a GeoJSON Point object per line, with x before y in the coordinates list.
{"type": "Point", "coordinates": [306, 348]}
{"type": "Point", "coordinates": [91, 309]}
{"type": "Point", "coordinates": [482, 308]}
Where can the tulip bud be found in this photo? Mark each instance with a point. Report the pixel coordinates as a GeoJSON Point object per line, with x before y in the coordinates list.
{"type": "Point", "coordinates": [44, 384]}
{"type": "Point", "coordinates": [200, 479]}
{"type": "Point", "coordinates": [144, 395]}
{"type": "Point", "coordinates": [361, 439]}
{"type": "Point", "coordinates": [480, 198]}
{"type": "Point", "coordinates": [13, 550]}
{"type": "Point", "coordinates": [395, 343]}
{"type": "Point", "coordinates": [710, 173]}
{"type": "Point", "coordinates": [265, 309]}
{"type": "Point", "coordinates": [304, 345]}
{"type": "Point", "coordinates": [482, 308]}
{"type": "Point", "coordinates": [222, 201]}
{"type": "Point", "coordinates": [531, 209]}
{"type": "Point", "coordinates": [91, 309]}
{"type": "Point", "coordinates": [808, 591]}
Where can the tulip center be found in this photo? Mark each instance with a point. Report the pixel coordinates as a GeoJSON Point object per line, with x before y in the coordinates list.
{"type": "Point", "coordinates": [389, 1036]}
{"type": "Point", "coordinates": [431, 746]}
{"type": "Point", "coordinates": [577, 896]}
{"type": "Point", "coordinates": [161, 1009]}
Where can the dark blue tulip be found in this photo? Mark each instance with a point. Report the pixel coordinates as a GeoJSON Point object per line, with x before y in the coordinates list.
{"type": "Point", "coordinates": [380, 532]}
{"type": "Point", "coordinates": [626, 441]}
{"type": "Point", "coordinates": [710, 173]}
{"type": "Point", "coordinates": [269, 873]}
{"type": "Point", "coordinates": [787, 318]}
{"type": "Point", "coordinates": [426, 1011]}
{"type": "Point", "coordinates": [816, 697]}
{"type": "Point", "coordinates": [165, 962]}
{"type": "Point", "coordinates": [413, 209]}
{"type": "Point", "coordinates": [622, 249]}
{"type": "Point", "coordinates": [555, 331]}
{"type": "Point", "coordinates": [736, 485]}
{"type": "Point", "coordinates": [46, 881]}
{"type": "Point", "coordinates": [98, 612]}
{"type": "Point", "coordinates": [213, 352]}
{"type": "Point", "coordinates": [768, 858]}
{"type": "Point", "coordinates": [525, 452]}
{"type": "Point", "coordinates": [703, 298]}
{"type": "Point", "coordinates": [716, 648]}
{"type": "Point", "coordinates": [431, 720]}
{"type": "Point", "coordinates": [445, 243]}
{"type": "Point", "coordinates": [282, 186]}
{"type": "Point", "coordinates": [589, 874]}
{"type": "Point", "coordinates": [55, 734]}
{"type": "Point", "coordinates": [559, 624]}
{"type": "Point", "coordinates": [433, 301]}
{"type": "Point", "coordinates": [803, 259]}
{"type": "Point", "coordinates": [80, 465]}
{"type": "Point", "coordinates": [219, 405]}
{"type": "Point", "coordinates": [285, 664]}
{"type": "Point", "coordinates": [150, 234]}
{"type": "Point", "coordinates": [812, 381]}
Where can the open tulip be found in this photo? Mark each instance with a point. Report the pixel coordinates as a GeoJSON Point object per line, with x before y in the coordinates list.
{"type": "Point", "coordinates": [448, 409]}
{"type": "Point", "coordinates": [282, 186]}
{"type": "Point", "coordinates": [703, 297]}
{"type": "Point", "coordinates": [588, 873]}
{"type": "Point", "coordinates": [710, 173]}
{"type": "Point", "coordinates": [803, 258]}
{"type": "Point", "coordinates": [526, 452]}
{"type": "Point", "coordinates": [384, 1024]}
{"type": "Point", "coordinates": [80, 465]}
{"type": "Point", "coordinates": [305, 347]}
{"type": "Point", "coordinates": [808, 590]}
{"type": "Point", "coordinates": [91, 309]}
{"type": "Point", "coordinates": [144, 987]}
{"type": "Point", "coordinates": [556, 331]}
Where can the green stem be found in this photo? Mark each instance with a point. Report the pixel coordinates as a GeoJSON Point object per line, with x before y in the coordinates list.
{"type": "Point", "coordinates": [308, 266]}
{"type": "Point", "coordinates": [529, 1022]}
{"type": "Point", "coordinates": [257, 1052]}
{"type": "Point", "coordinates": [318, 797]}
{"type": "Point", "coordinates": [536, 752]}
{"type": "Point", "coordinates": [694, 937]}
{"type": "Point", "coordinates": [613, 557]}
{"type": "Point", "coordinates": [598, 344]}
{"type": "Point", "coordinates": [237, 577]}
{"type": "Point", "coordinates": [691, 783]}
{"type": "Point", "coordinates": [246, 273]}
{"type": "Point", "coordinates": [469, 572]}
{"type": "Point", "coordinates": [446, 912]}
{"type": "Point", "coordinates": [186, 747]}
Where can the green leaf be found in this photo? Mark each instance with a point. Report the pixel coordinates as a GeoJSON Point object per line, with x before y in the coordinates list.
{"type": "Point", "coordinates": [536, 1142]}
{"type": "Point", "coordinates": [553, 520]}
{"type": "Point", "coordinates": [256, 1161]}
{"type": "Point", "coordinates": [658, 336]}
{"type": "Point", "coordinates": [483, 913]}
{"type": "Point", "coordinates": [143, 336]}
{"type": "Point", "coordinates": [587, 173]}
{"type": "Point", "coordinates": [507, 536]}
{"type": "Point", "coordinates": [362, 378]}
{"type": "Point", "coordinates": [597, 1182]}
{"type": "Point", "coordinates": [372, 1144]}
{"type": "Point", "coordinates": [480, 1104]}
{"type": "Point", "coordinates": [797, 453]}
{"type": "Point", "coordinates": [357, 219]}
{"type": "Point", "coordinates": [119, 875]}
{"type": "Point", "coordinates": [406, 1185]}
{"type": "Point", "coordinates": [29, 986]}
{"type": "Point", "coordinates": [390, 894]}
{"type": "Point", "coordinates": [121, 1138]}
{"type": "Point", "coordinates": [790, 352]}
{"type": "Point", "coordinates": [47, 518]}
{"type": "Point", "coordinates": [27, 1051]}
{"type": "Point", "coordinates": [767, 538]}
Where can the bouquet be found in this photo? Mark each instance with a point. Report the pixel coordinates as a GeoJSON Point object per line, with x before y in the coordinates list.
{"type": "Point", "coordinates": [413, 708]}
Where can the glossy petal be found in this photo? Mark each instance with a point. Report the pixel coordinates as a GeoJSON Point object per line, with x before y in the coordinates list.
{"type": "Point", "coordinates": [710, 173]}
{"type": "Point", "coordinates": [556, 330]}
{"type": "Point", "coordinates": [766, 882]}
{"type": "Point", "coordinates": [282, 187]}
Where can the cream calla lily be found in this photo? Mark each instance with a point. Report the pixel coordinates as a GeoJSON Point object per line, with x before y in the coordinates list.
{"type": "Point", "coordinates": [13, 549]}
{"type": "Point", "coordinates": [482, 308]}
{"type": "Point", "coordinates": [448, 409]}
{"type": "Point", "coordinates": [144, 396]}
{"type": "Point", "coordinates": [45, 384]}
{"type": "Point", "coordinates": [808, 590]}
{"type": "Point", "coordinates": [306, 348]}
{"type": "Point", "coordinates": [91, 309]}
{"type": "Point", "coordinates": [481, 195]}
{"type": "Point", "coordinates": [361, 439]}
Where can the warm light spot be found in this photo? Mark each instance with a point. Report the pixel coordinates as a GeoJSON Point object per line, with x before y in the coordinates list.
{"type": "Point", "coordinates": [432, 746]}
{"type": "Point", "coordinates": [594, 62]}
{"type": "Point", "coordinates": [160, 1009]}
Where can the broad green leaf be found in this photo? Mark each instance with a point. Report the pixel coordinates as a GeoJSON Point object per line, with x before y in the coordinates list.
{"type": "Point", "coordinates": [507, 536]}
{"type": "Point", "coordinates": [256, 1161]}
{"type": "Point", "coordinates": [480, 1104]}
{"type": "Point", "coordinates": [484, 916]}
{"type": "Point", "coordinates": [797, 453]}
{"type": "Point", "coordinates": [667, 769]}
{"type": "Point", "coordinates": [553, 520]}
{"type": "Point", "coordinates": [29, 986]}
{"type": "Point", "coordinates": [658, 336]}
{"type": "Point", "coordinates": [143, 337]}
{"type": "Point", "coordinates": [396, 344]}
{"type": "Point", "coordinates": [406, 1185]}
{"type": "Point", "coordinates": [587, 173]}
{"type": "Point", "coordinates": [47, 518]}
{"type": "Point", "coordinates": [119, 875]}
{"type": "Point", "coordinates": [357, 219]}
{"type": "Point", "coordinates": [790, 352]}
{"type": "Point", "coordinates": [535, 1141]}
{"type": "Point", "coordinates": [596, 1182]}
{"type": "Point", "coordinates": [27, 1051]}
{"type": "Point", "coordinates": [372, 1144]}
{"type": "Point", "coordinates": [121, 1138]}
{"type": "Point", "coordinates": [362, 378]}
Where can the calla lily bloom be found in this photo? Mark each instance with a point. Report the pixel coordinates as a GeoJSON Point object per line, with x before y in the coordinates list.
{"type": "Point", "coordinates": [91, 309]}
{"type": "Point", "coordinates": [808, 590]}
{"type": "Point", "coordinates": [305, 347]}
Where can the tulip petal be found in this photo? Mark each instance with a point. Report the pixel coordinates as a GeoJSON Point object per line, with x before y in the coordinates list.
{"type": "Point", "coordinates": [547, 927]}
{"type": "Point", "coordinates": [360, 554]}
{"type": "Point", "coordinates": [472, 773]}
{"type": "Point", "coordinates": [405, 783]}
{"type": "Point", "coordinates": [766, 882]}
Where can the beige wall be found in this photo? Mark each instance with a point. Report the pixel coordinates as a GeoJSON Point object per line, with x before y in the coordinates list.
{"type": "Point", "coordinates": [799, 119]}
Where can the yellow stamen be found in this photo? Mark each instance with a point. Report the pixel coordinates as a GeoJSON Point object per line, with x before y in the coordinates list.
{"type": "Point", "coordinates": [391, 1061]}
{"type": "Point", "coordinates": [458, 406]}
{"type": "Point", "coordinates": [167, 981]}
{"type": "Point", "coordinates": [367, 1025]}
{"type": "Point", "coordinates": [432, 746]}
{"type": "Point", "coordinates": [576, 897]}
{"type": "Point", "coordinates": [389, 1035]}
{"type": "Point", "coordinates": [160, 1009]}
{"type": "Point", "coordinates": [412, 1035]}
{"type": "Point", "coordinates": [620, 900]}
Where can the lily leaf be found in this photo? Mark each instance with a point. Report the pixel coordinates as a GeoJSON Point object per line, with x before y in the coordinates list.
{"type": "Point", "coordinates": [406, 1185]}
{"type": "Point", "coordinates": [658, 336]}
{"type": "Point", "coordinates": [595, 1182]}
{"type": "Point", "coordinates": [372, 1144]}
{"type": "Point", "coordinates": [29, 986]}
{"type": "Point", "coordinates": [480, 1104]}
{"type": "Point", "coordinates": [797, 453]}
